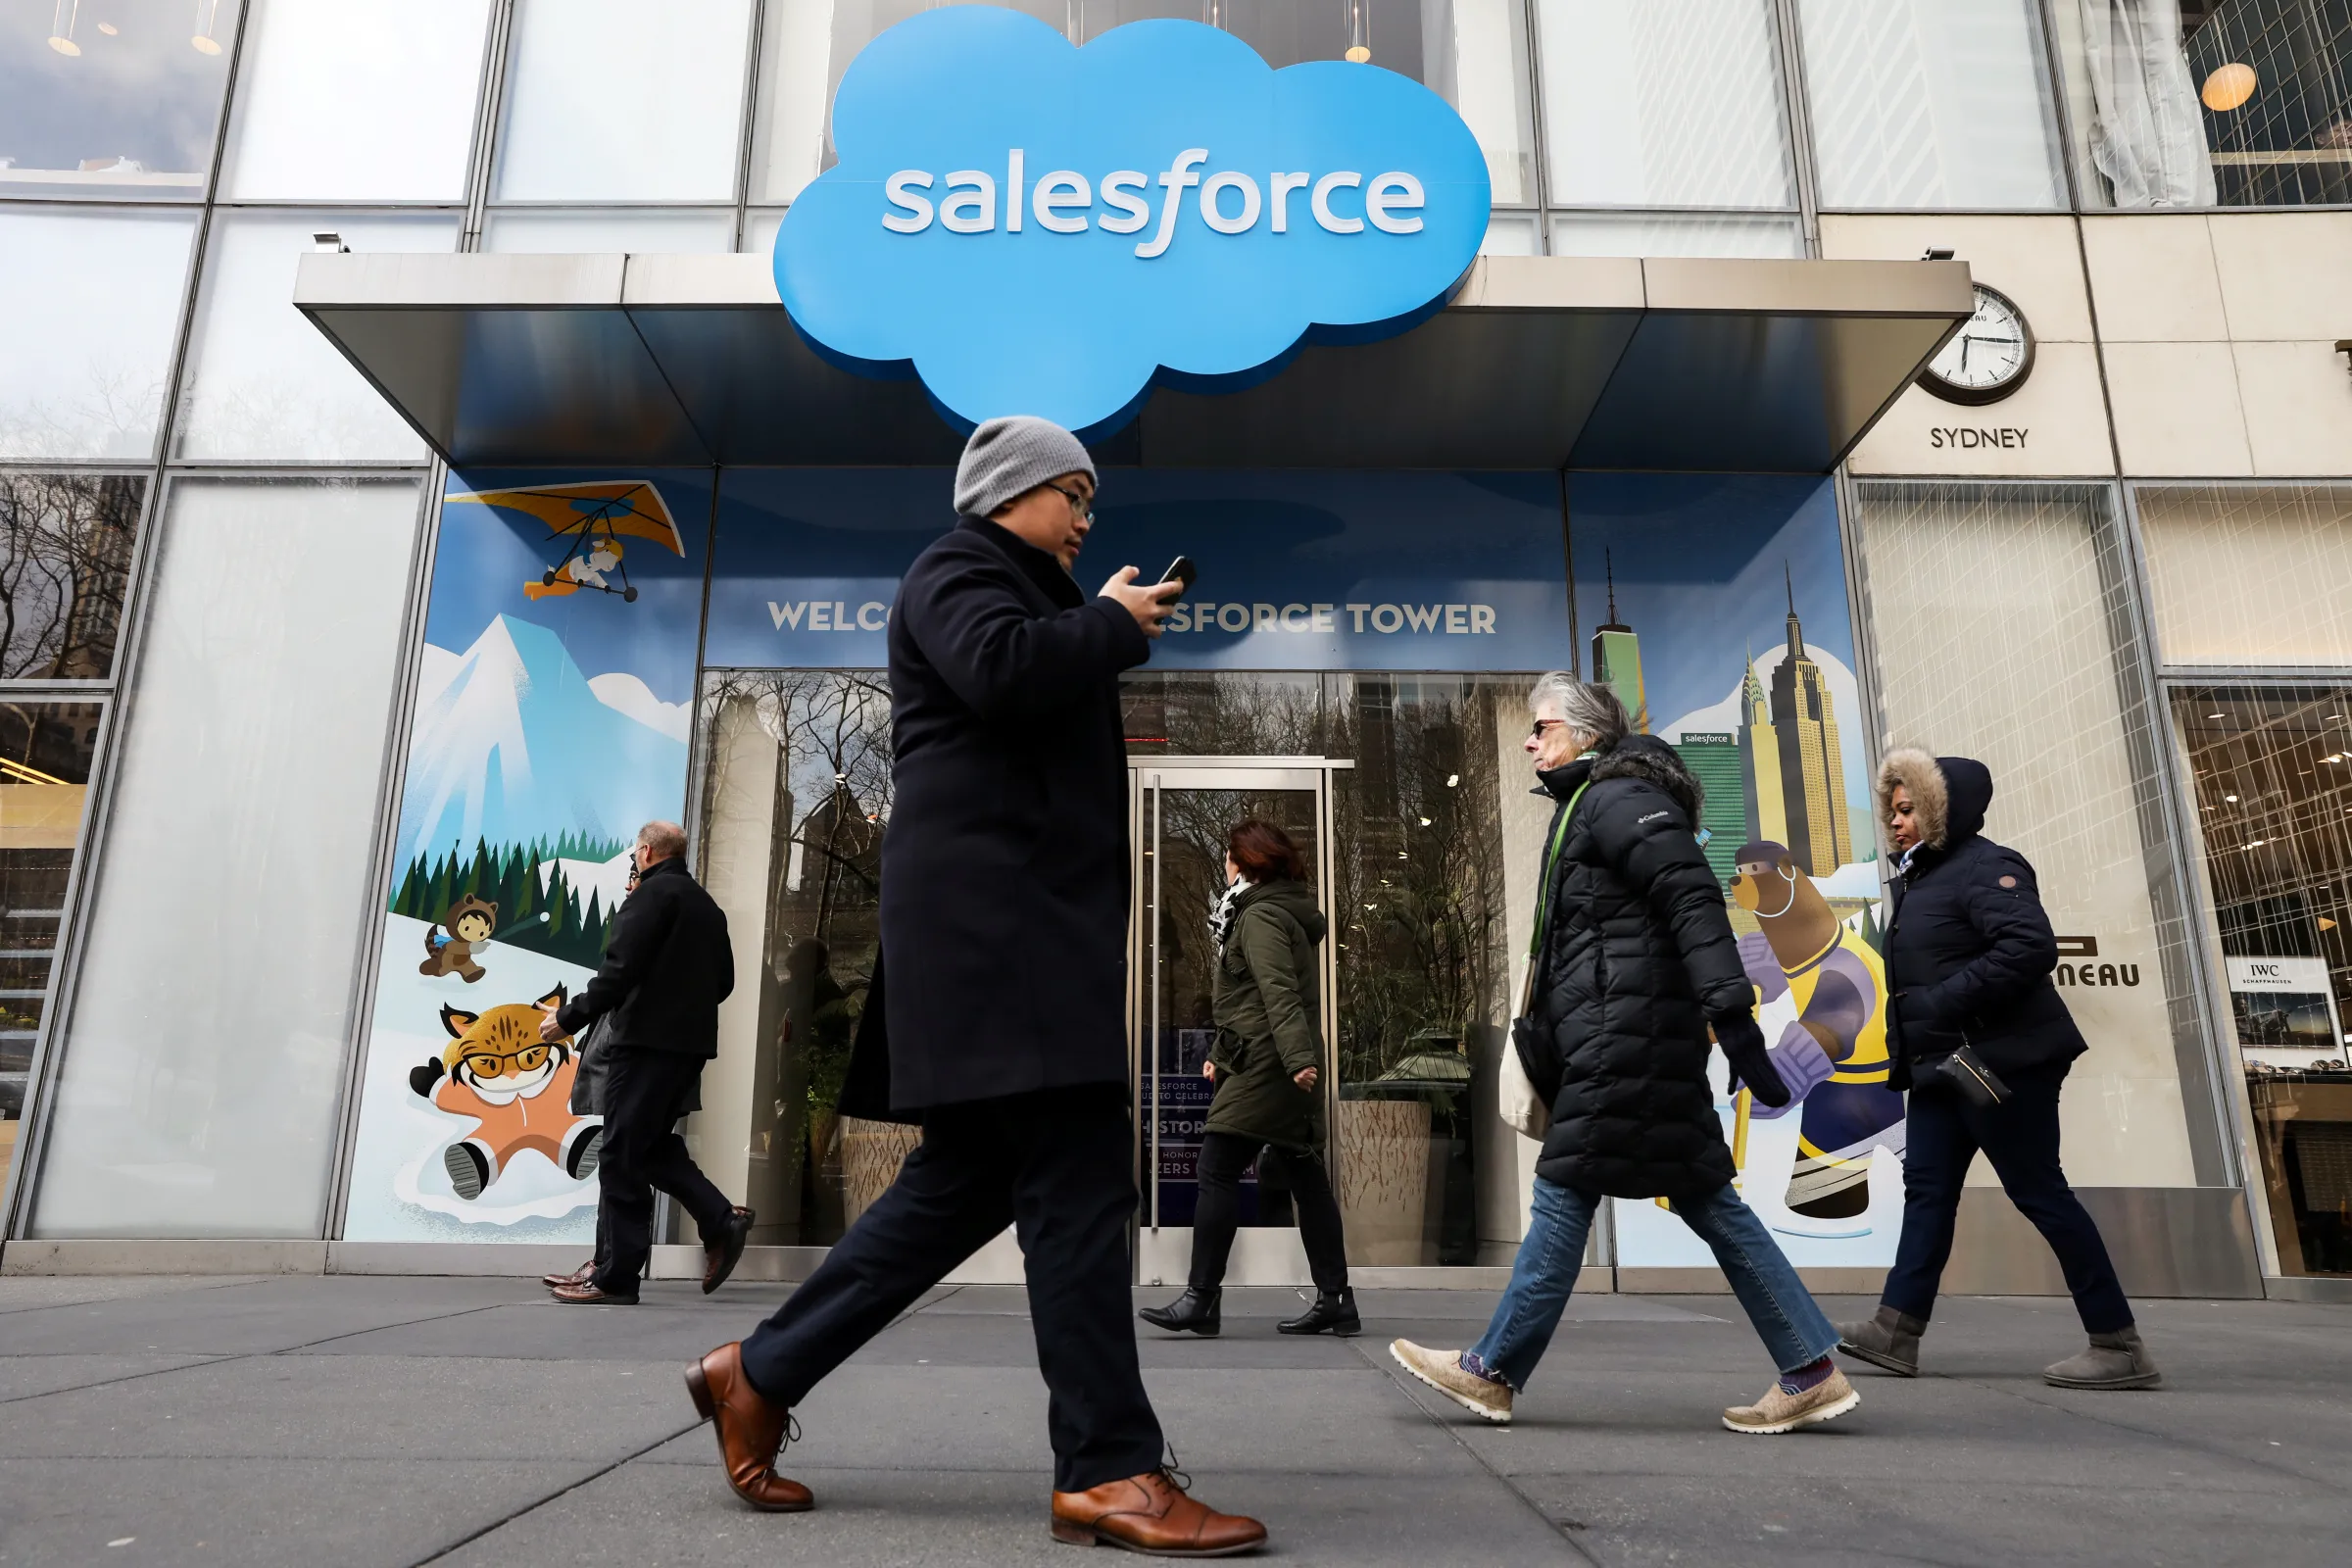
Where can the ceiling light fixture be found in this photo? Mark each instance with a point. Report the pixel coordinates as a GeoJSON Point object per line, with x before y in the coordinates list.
{"type": "Point", "coordinates": [2229, 87]}
{"type": "Point", "coordinates": [61, 37]}
{"type": "Point", "coordinates": [207, 15]}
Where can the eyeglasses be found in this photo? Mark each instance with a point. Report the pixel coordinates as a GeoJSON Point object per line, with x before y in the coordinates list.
{"type": "Point", "coordinates": [1083, 505]}
{"type": "Point", "coordinates": [492, 1064]}
{"type": "Point", "coordinates": [1543, 724]}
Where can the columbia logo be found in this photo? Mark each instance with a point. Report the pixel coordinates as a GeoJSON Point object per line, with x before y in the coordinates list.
{"type": "Point", "coordinates": [1654, 816]}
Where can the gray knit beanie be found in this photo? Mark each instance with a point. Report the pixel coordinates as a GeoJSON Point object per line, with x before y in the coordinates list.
{"type": "Point", "coordinates": [1010, 455]}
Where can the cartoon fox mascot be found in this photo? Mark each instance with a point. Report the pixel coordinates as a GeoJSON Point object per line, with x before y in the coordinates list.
{"type": "Point", "coordinates": [516, 1086]}
{"type": "Point", "coordinates": [1834, 1056]}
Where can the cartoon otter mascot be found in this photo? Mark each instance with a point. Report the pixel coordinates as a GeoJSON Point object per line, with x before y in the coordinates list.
{"type": "Point", "coordinates": [517, 1088]}
{"type": "Point", "coordinates": [469, 923]}
{"type": "Point", "coordinates": [1834, 1056]}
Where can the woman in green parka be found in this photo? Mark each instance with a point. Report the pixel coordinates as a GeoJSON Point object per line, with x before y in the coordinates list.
{"type": "Point", "coordinates": [1267, 1068]}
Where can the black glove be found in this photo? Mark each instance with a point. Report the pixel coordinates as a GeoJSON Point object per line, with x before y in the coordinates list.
{"type": "Point", "coordinates": [1751, 1064]}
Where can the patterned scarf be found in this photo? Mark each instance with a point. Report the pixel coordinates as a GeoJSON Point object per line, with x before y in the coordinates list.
{"type": "Point", "coordinates": [1220, 917]}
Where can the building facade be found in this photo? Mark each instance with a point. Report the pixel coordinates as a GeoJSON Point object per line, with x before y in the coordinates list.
{"type": "Point", "coordinates": [308, 713]}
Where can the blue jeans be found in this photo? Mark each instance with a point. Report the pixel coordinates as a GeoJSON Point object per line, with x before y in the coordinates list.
{"type": "Point", "coordinates": [1777, 1304]}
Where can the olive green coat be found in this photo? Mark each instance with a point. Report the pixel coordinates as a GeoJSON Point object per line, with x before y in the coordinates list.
{"type": "Point", "coordinates": [1268, 1009]}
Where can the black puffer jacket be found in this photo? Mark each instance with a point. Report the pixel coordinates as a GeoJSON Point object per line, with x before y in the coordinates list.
{"type": "Point", "coordinates": [1638, 954]}
{"type": "Point", "coordinates": [1969, 949]}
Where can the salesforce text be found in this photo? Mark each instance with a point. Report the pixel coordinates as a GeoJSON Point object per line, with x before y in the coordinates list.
{"type": "Point", "coordinates": [1447, 620]}
{"type": "Point", "coordinates": [1230, 203]}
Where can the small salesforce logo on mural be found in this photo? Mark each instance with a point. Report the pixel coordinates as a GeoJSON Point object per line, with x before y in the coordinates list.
{"type": "Point", "coordinates": [1040, 229]}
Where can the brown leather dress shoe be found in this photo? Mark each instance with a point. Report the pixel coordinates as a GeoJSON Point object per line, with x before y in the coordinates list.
{"type": "Point", "coordinates": [1150, 1513]}
{"type": "Point", "coordinates": [578, 1276]}
{"type": "Point", "coordinates": [752, 1431]}
{"type": "Point", "coordinates": [719, 1261]}
{"type": "Point", "coordinates": [589, 1293]}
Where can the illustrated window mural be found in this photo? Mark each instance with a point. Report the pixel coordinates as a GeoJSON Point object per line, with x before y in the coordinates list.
{"type": "Point", "coordinates": [1716, 609]}
{"type": "Point", "coordinates": [551, 721]}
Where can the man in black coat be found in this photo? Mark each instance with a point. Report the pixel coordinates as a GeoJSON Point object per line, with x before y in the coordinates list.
{"type": "Point", "coordinates": [1633, 968]}
{"type": "Point", "coordinates": [1004, 897]}
{"type": "Point", "coordinates": [1969, 955]}
{"type": "Point", "coordinates": [667, 966]}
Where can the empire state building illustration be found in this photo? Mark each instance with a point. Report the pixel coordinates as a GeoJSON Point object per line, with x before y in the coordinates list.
{"type": "Point", "coordinates": [1812, 764]}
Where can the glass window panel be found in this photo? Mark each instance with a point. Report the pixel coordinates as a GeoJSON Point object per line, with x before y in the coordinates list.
{"type": "Point", "coordinates": [2002, 629]}
{"type": "Point", "coordinates": [1669, 103]}
{"type": "Point", "coordinates": [261, 381]}
{"type": "Point", "coordinates": [2273, 777]}
{"type": "Point", "coordinates": [357, 103]}
{"type": "Point", "coordinates": [2249, 574]}
{"type": "Point", "coordinates": [1656, 234]}
{"type": "Point", "coordinates": [64, 553]}
{"type": "Point", "coordinates": [1514, 235]}
{"type": "Point", "coordinates": [120, 102]}
{"type": "Point", "coordinates": [1931, 104]}
{"type": "Point", "coordinates": [94, 302]}
{"type": "Point", "coordinates": [759, 230]}
{"type": "Point", "coordinates": [201, 1071]}
{"type": "Point", "coordinates": [45, 752]}
{"type": "Point", "coordinates": [646, 232]}
{"type": "Point", "coordinates": [603, 107]}
{"type": "Point", "coordinates": [2194, 103]}
{"type": "Point", "coordinates": [1473, 52]}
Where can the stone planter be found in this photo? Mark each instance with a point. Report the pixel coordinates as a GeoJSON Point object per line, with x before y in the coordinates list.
{"type": "Point", "coordinates": [1384, 1180]}
{"type": "Point", "coordinates": [871, 1153]}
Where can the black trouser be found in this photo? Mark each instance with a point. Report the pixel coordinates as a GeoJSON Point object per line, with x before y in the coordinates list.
{"type": "Point", "coordinates": [1217, 1214]}
{"type": "Point", "coordinates": [643, 1089]}
{"type": "Point", "coordinates": [1057, 1166]}
{"type": "Point", "coordinates": [2019, 1138]}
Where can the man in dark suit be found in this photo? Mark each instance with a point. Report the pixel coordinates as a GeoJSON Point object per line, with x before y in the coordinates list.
{"type": "Point", "coordinates": [667, 966]}
{"type": "Point", "coordinates": [1005, 891]}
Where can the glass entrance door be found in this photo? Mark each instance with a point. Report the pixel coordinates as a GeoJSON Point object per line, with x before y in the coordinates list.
{"type": "Point", "coordinates": [1184, 808]}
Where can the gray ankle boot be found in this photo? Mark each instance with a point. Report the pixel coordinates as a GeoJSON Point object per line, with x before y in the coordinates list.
{"type": "Point", "coordinates": [2115, 1361]}
{"type": "Point", "coordinates": [1889, 1339]}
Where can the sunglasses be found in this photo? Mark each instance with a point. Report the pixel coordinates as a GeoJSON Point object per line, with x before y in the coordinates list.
{"type": "Point", "coordinates": [1543, 724]}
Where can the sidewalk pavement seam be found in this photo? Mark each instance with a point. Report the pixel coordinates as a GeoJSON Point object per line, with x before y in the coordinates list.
{"type": "Point", "coordinates": [204, 1360]}
{"type": "Point", "coordinates": [2202, 1449]}
{"type": "Point", "coordinates": [137, 1295]}
{"type": "Point", "coordinates": [598, 1473]}
{"type": "Point", "coordinates": [1557, 1527]}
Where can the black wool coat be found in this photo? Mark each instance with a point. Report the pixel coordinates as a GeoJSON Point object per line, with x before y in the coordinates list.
{"type": "Point", "coordinates": [1638, 954]}
{"type": "Point", "coordinates": [667, 966]}
{"type": "Point", "coordinates": [1004, 866]}
{"type": "Point", "coordinates": [1969, 949]}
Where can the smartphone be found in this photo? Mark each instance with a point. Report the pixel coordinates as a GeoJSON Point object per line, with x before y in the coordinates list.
{"type": "Point", "coordinates": [1180, 570]}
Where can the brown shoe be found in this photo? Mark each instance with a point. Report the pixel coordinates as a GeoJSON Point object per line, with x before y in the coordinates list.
{"type": "Point", "coordinates": [719, 1261]}
{"type": "Point", "coordinates": [589, 1293]}
{"type": "Point", "coordinates": [752, 1431]}
{"type": "Point", "coordinates": [1150, 1513]}
{"type": "Point", "coordinates": [578, 1276]}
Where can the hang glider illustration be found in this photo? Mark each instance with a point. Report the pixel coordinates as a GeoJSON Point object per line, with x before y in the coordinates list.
{"type": "Point", "coordinates": [591, 517]}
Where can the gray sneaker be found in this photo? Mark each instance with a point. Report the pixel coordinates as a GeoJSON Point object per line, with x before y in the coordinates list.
{"type": "Point", "coordinates": [1889, 1339]}
{"type": "Point", "coordinates": [1443, 1371]}
{"type": "Point", "coordinates": [2111, 1361]}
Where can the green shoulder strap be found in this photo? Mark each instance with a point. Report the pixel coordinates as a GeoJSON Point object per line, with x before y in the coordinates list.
{"type": "Point", "coordinates": [1552, 862]}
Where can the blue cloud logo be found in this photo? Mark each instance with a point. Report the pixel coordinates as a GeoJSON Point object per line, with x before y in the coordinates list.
{"type": "Point", "coordinates": [1034, 227]}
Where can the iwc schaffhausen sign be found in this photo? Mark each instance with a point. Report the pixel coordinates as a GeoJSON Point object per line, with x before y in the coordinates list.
{"type": "Point", "coordinates": [1989, 357]}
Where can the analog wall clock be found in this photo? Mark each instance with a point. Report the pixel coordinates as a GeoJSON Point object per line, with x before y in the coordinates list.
{"type": "Point", "coordinates": [1989, 358]}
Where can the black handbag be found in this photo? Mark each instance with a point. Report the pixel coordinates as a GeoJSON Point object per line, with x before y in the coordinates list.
{"type": "Point", "coordinates": [1966, 1073]}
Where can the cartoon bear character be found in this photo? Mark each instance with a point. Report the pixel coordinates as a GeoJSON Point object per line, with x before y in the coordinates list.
{"type": "Point", "coordinates": [1834, 1056]}
{"type": "Point", "coordinates": [471, 922]}
{"type": "Point", "coordinates": [516, 1086]}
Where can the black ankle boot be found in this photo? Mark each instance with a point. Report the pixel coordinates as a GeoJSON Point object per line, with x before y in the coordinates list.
{"type": "Point", "coordinates": [1195, 1311]}
{"type": "Point", "coordinates": [1334, 1313]}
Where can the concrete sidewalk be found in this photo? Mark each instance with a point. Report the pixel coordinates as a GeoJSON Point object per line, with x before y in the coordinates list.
{"type": "Point", "coordinates": [350, 1420]}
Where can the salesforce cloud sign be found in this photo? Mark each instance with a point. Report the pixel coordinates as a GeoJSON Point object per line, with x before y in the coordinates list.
{"type": "Point", "coordinates": [1033, 227]}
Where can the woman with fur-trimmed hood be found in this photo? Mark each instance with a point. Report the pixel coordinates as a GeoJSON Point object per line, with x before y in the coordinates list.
{"type": "Point", "coordinates": [1632, 973]}
{"type": "Point", "coordinates": [1969, 955]}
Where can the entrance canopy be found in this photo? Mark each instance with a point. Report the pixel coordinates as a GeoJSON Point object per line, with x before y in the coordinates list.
{"type": "Point", "coordinates": [1539, 362]}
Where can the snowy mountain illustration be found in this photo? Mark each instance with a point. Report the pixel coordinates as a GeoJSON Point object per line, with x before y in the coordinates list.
{"type": "Point", "coordinates": [512, 743]}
